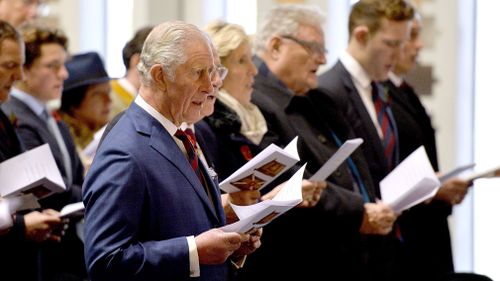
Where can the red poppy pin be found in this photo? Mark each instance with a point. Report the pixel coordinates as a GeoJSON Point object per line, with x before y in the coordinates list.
{"type": "Point", "coordinates": [56, 116]}
{"type": "Point", "coordinates": [245, 151]}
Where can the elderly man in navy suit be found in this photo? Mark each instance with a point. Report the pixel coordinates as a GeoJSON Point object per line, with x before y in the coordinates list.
{"type": "Point", "coordinates": [150, 214]}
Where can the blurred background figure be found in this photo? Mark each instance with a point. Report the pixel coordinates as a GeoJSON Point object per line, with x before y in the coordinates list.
{"type": "Point", "coordinates": [17, 12]}
{"type": "Point", "coordinates": [85, 102]}
{"type": "Point", "coordinates": [125, 89]}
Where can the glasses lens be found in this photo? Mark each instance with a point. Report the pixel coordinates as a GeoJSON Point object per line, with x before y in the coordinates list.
{"type": "Point", "coordinates": [222, 72]}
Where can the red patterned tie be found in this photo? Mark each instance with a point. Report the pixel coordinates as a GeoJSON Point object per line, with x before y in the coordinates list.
{"type": "Point", "coordinates": [192, 157]}
{"type": "Point", "coordinates": [191, 137]}
{"type": "Point", "coordinates": [387, 124]}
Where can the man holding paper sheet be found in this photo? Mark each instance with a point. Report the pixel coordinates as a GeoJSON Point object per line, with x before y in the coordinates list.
{"type": "Point", "coordinates": [288, 56]}
{"type": "Point", "coordinates": [152, 210]}
{"type": "Point", "coordinates": [25, 232]}
{"type": "Point", "coordinates": [425, 226]}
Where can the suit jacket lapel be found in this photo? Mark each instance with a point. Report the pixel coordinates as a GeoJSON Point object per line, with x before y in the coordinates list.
{"type": "Point", "coordinates": [373, 138]}
{"type": "Point", "coordinates": [30, 117]}
{"type": "Point", "coordinates": [164, 144]}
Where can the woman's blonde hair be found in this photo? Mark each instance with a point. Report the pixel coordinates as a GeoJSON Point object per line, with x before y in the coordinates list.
{"type": "Point", "coordinates": [226, 37]}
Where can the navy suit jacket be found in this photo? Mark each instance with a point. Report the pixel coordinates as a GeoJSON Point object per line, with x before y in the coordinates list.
{"type": "Point", "coordinates": [142, 199]}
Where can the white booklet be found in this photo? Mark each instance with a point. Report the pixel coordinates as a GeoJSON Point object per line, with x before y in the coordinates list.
{"type": "Point", "coordinates": [34, 171]}
{"type": "Point", "coordinates": [411, 182]}
{"type": "Point", "coordinates": [336, 159]}
{"type": "Point", "coordinates": [263, 168]}
{"type": "Point", "coordinates": [255, 216]}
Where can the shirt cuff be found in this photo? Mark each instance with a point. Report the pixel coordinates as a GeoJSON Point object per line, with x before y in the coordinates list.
{"type": "Point", "coordinates": [238, 263]}
{"type": "Point", "coordinates": [194, 262]}
{"type": "Point", "coordinates": [5, 216]}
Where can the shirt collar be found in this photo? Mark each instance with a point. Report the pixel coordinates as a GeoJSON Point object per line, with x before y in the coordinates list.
{"type": "Point", "coordinates": [395, 79]}
{"type": "Point", "coordinates": [185, 126]}
{"type": "Point", "coordinates": [355, 69]}
{"type": "Point", "coordinates": [33, 103]}
{"type": "Point", "coordinates": [167, 124]}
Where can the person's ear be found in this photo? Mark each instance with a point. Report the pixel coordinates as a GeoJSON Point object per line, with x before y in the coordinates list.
{"type": "Point", "coordinates": [361, 34]}
{"type": "Point", "coordinates": [159, 76]}
{"type": "Point", "coordinates": [275, 47]}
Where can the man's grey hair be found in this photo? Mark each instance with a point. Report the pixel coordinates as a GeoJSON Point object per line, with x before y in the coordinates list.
{"type": "Point", "coordinates": [166, 45]}
{"type": "Point", "coordinates": [286, 20]}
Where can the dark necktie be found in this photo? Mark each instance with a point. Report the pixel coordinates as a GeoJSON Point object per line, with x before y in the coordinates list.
{"type": "Point", "coordinates": [387, 124]}
{"type": "Point", "coordinates": [192, 157]}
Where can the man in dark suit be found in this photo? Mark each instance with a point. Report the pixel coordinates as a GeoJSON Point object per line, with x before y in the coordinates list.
{"type": "Point", "coordinates": [44, 73]}
{"type": "Point", "coordinates": [288, 56]}
{"type": "Point", "coordinates": [424, 227]}
{"type": "Point", "coordinates": [28, 229]}
{"type": "Point", "coordinates": [377, 31]}
{"type": "Point", "coordinates": [150, 213]}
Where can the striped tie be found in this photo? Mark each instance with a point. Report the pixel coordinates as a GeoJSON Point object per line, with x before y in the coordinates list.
{"type": "Point", "coordinates": [387, 124]}
{"type": "Point", "coordinates": [191, 153]}
{"type": "Point", "coordinates": [191, 137]}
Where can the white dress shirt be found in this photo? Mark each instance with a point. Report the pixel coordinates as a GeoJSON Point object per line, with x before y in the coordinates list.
{"type": "Point", "coordinates": [362, 83]}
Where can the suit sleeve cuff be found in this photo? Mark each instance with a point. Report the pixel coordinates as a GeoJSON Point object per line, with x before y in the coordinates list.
{"type": "Point", "coordinates": [194, 262]}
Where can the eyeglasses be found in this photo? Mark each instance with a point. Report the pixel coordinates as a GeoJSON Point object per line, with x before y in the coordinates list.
{"type": "Point", "coordinates": [222, 71]}
{"type": "Point", "coordinates": [311, 47]}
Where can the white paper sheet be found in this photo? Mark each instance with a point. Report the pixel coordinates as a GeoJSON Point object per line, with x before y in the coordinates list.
{"type": "Point", "coordinates": [72, 210]}
{"type": "Point", "coordinates": [482, 173]}
{"type": "Point", "coordinates": [455, 172]}
{"type": "Point", "coordinates": [336, 159]}
{"type": "Point", "coordinates": [411, 182]}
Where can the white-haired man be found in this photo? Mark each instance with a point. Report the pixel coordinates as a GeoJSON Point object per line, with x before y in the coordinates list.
{"type": "Point", "coordinates": [290, 48]}
{"type": "Point", "coordinates": [150, 214]}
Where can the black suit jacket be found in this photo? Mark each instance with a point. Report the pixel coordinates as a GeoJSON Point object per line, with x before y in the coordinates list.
{"type": "Point", "coordinates": [295, 244]}
{"type": "Point", "coordinates": [425, 226]}
{"type": "Point", "coordinates": [385, 258]}
{"type": "Point", "coordinates": [65, 257]}
{"type": "Point", "coordinates": [340, 88]}
{"type": "Point", "coordinates": [13, 244]}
